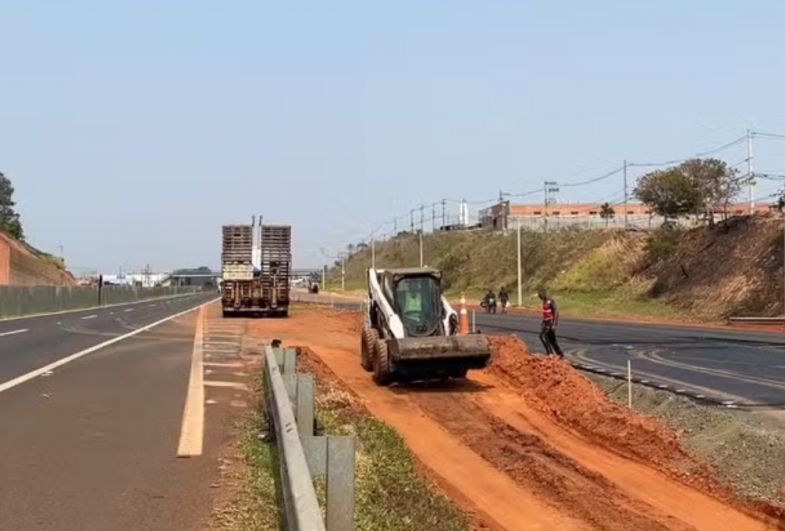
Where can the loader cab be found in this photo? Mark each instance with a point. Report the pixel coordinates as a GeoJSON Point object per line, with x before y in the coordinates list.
{"type": "Point", "coordinates": [417, 300]}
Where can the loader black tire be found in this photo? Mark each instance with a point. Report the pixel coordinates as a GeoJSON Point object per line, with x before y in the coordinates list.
{"type": "Point", "coordinates": [381, 364]}
{"type": "Point", "coordinates": [367, 345]}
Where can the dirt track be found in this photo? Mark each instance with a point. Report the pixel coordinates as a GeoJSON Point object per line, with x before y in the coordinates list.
{"type": "Point", "coordinates": [551, 455]}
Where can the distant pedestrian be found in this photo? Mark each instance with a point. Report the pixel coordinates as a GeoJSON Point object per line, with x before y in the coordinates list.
{"type": "Point", "coordinates": [550, 320]}
{"type": "Point", "coordinates": [504, 298]}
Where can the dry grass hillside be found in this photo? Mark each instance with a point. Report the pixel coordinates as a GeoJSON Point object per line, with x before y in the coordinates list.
{"type": "Point", "coordinates": [23, 265]}
{"type": "Point", "coordinates": [700, 274]}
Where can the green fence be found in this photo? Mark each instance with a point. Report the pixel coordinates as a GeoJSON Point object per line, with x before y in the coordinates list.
{"type": "Point", "coordinates": [16, 301]}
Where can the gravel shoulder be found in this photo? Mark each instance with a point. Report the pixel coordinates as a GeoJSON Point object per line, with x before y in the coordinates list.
{"type": "Point", "coordinates": [746, 447]}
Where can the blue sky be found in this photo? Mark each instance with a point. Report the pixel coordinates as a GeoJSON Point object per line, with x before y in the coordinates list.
{"type": "Point", "coordinates": [133, 130]}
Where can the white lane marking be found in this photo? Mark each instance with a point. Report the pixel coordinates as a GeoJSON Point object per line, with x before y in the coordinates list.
{"type": "Point", "coordinates": [216, 364]}
{"type": "Point", "coordinates": [152, 306]}
{"type": "Point", "coordinates": [89, 317]}
{"type": "Point", "coordinates": [129, 310]}
{"type": "Point", "coordinates": [234, 385]}
{"type": "Point", "coordinates": [167, 299]}
{"type": "Point", "coordinates": [14, 332]}
{"type": "Point", "coordinates": [192, 430]}
{"type": "Point", "coordinates": [5, 386]}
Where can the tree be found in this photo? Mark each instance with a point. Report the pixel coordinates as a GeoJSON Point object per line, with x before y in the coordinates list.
{"type": "Point", "coordinates": [717, 183]}
{"type": "Point", "coordinates": [9, 218]}
{"type": "Point", "coordinates": [670, 193]}
{"type": "Point", "coordinates": [607, 213]}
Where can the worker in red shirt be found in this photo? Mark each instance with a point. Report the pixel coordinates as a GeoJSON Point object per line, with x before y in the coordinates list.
{"type": "Point", "coordinates": [550, 320]}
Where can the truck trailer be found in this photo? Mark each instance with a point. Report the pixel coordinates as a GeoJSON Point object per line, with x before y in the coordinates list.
{"type": "Point", "coordinates": [255, 269]}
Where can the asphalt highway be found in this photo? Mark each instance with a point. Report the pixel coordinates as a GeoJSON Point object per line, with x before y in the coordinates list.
{"type": "Point", "coordinates": [31, 342]}
{"type": "Point", "coordinates": [735, 367]}
{"type": "Point", "coordinates": [94, 444]}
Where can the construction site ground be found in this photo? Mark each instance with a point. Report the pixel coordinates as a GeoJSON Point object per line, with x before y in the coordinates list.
{"type": "Point", "coordinates": [529, 443]}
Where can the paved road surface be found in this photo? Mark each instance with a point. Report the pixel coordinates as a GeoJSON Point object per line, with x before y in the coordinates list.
{"type": "Point", "coordinates": [745, 367]}
{"type": "Point", "coordinates": [33, 342]}
{"type": "Point", "coordinates": [93, 446]}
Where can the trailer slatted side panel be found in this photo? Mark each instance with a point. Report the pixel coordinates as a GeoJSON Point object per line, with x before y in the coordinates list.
{"type": "Point", "coordinates": [276, 258]}
{"type": "Point", "coordinates": [237, 243]}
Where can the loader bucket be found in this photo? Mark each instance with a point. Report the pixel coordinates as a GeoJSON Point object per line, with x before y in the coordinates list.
{"type": "Point", "coordinates": [472, 351]}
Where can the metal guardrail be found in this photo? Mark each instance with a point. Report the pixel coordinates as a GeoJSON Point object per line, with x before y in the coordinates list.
{"type": "Point", "coordinates": [302, 455]}
{"type": "Point", "coordinates": [17, 301]}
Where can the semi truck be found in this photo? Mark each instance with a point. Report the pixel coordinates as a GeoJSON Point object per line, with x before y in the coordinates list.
{"type": "Point", "coordinates": [255, 269]}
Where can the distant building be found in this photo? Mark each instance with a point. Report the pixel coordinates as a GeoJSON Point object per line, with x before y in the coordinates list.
{"type": "Point", "coordinates": [504, 215]}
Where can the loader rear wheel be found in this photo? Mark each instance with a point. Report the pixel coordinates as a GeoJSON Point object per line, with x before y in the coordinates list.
{"type": "Point", "coordinates": [381, 364]}
{"type": "Point", "coordinates": [367, 344]}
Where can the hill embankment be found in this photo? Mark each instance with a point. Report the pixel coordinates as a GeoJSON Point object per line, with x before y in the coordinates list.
{"type": "Point", "coordinates": [23, 265]}
{"type": "Point", "coordinates": [700, 274]}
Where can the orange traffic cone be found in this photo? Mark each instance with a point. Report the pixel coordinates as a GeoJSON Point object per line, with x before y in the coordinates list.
{"type": "Point", "coordinates": [463, 323]}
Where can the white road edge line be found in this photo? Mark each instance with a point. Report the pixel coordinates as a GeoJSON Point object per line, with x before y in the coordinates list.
{"type": "Point", "coordinates": [5, 386]}
{"type": "Point", "coordinates": [13, 332]}
{"type": "Point", "coordinates": [89, 317]}
{"type": "Point", "coordinates": [192, 430]}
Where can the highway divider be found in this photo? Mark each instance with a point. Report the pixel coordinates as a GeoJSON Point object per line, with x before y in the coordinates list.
{"type": "Point", "coordinates": [19, 301]}
{"type": "Point", "coordinates": [303, 455]}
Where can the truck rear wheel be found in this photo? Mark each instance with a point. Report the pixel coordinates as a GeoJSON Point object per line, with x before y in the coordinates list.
{"type": "Point", "coordinates": [381, 364]}
{"type": "Point", "coordinates": [367, 344]}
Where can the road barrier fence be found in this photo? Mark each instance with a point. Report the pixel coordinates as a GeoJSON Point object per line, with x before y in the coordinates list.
{"type": "Point", "coordinates": [17, 301]}
{"type": "Point", "coordinates": [303, 455]}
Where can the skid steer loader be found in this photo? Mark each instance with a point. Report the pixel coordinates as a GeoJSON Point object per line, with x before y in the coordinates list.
{"type": "Point", "coordinates": [411, 331]}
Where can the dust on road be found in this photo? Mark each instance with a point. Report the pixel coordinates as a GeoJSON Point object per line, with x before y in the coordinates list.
{"type": "Point", "coordinates": [529, 443]}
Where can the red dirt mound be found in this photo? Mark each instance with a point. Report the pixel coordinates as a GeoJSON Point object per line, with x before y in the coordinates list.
{"type": "Point", "coordinates": [553, 387]}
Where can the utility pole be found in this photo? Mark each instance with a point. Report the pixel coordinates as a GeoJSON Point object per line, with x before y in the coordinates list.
{"type": "Point", "coordinates": [433, 217]}
{"type": "Point", "coordinates": [411, 212]}
{"type": "Point", "coordinates": [520, 284]}
{"type": "Point", "coordinates": [625, 194]}
{"type": "Point", "coordinates": [750, 174]}
{"type": "Point", "coordinates": [422, 216]}
{"type": "Point", "coordinates": [444, 213]}
{"type": "Point", "coordinates": [421, 254]}
{"type": "Point", "coordinates": [549, 188]}
{"type": "Point", "coordinates": [373, 251]}
{"type": "Point", "coordinates": [343, 272]}
{"type": "Point", "coordinates": [395, 227]}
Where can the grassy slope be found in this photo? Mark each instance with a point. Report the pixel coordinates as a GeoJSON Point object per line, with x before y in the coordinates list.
{"type": "Point", "coordinates": [697, 275]}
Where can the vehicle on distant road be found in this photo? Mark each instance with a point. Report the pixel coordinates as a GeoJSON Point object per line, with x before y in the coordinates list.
{"type": "Point", "coordinates": [256, 289]}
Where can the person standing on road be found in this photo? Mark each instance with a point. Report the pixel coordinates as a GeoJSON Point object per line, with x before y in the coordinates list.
{"type": "Point", "coordinates": [550, 320]}
{"type": "Point", "coordinates": [503, 298]}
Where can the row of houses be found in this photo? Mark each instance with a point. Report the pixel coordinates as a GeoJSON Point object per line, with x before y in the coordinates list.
{"type": "Point", "coordinates": [505, 215]}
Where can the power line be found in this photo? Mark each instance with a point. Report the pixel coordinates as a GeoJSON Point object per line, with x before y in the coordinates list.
{"type": "Point", "coordinates": [596, 179]}
{"type": "Point", "coordinates": [697, 155]}
{"type": "Point", "coordinates": [768, 135]}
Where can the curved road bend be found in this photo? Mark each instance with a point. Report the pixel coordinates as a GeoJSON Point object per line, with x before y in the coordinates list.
{"type": "Point", "coordinates": [740, 366]}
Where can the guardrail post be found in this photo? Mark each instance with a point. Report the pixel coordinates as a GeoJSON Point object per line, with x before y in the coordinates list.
{"type": "Point", "coordinates": [332, 457]}
{"type": "Point", "coordinates": [304, 411]}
